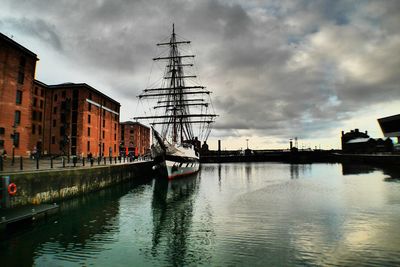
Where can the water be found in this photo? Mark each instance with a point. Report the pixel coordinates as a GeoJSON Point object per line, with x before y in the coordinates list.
{"type": "Point", "coordinates": [250, 214]}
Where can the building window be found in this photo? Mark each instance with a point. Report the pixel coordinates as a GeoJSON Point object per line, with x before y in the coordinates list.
{"type": "Point", "coordinates": [115, 147]}
{"type": "Point", "coordinates": [22, 62]}
{"type": "Point", "coordinates": [40, 129]}
{"type": "Point", "coordinates": [39, 116]}
{"type": "Point", "coordinates": [88, 146]}
{"type": "Point", "coordinates": [89, 107]}
{"type": "Point", "coordinates": [115, 137]}
{"type": "Point", "coordinates": [41, 92]}
{"type": "Point", "coordinates": [53, 140]}
{"type": "Point", "coordinates": [2, 130]}
{"type": "Point", "coordinates": [104, 112]}
{"type": "Point", "coordinates": [36, 90]}
{"type": "Point", "coordinates": [54, 123]}
{"type": "Point", "coordinates": [104, 134]}
{"type": "Point", "coordinates": [34, 101]}
{"type": "Point", "coordinates": [131, 131]}
{"type": "Point", "coordinates": [18, 99]}
{"type": "Point", "coordinates": [88, 119]}
{"type": "Point", "coordinates": [104, 123]}
{"type": "Point", "coordinates": [34, 115]}
{"type": "Point", "coordinates": [55, 110]}
{"type": "Point", "coordinates": [21, 75]}
{"type": "Point", "coordinates": [41, 103]}
{"type": "Point", "coordinates": [55, 97]}
{"type": "Point", "coordinates": [115, 126]}
{"type": "Point", "coordinates": [88, 131]}
{"type": "Point", "coordinates": [1, 143]}
{"type": "Point", "coordinates": [17, 117]}
{"type": "Point", "coordinates": [33, 128]}
{"type": "Point", "coordinates": [63, 94]}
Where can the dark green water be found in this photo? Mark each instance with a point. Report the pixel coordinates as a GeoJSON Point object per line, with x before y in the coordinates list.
{"type": "Point", "coordinates": [250, 214]}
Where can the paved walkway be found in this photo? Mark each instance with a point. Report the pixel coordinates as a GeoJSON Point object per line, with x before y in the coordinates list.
{"type": "Point", "coordinates": [28, 165]}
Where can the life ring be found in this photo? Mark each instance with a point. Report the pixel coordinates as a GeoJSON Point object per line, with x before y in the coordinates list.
{"type": "Point", "coordinates": [12, 189]}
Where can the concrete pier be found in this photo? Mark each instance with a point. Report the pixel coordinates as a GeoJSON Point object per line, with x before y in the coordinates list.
{"type": "Point", "coordinates": [50, 186]}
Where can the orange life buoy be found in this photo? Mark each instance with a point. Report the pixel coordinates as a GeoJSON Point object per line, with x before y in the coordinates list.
{"type": "Point", "coordinates": [12, 189]}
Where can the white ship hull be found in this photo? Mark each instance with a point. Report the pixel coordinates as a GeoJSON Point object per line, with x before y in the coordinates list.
{"type": "Point", "coordinates": [177, 160]}
{"type": "Point", "coordinates": [176, 169]}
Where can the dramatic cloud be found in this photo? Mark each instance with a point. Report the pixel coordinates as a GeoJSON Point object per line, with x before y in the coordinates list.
{"type": "Point", "coordinates": [278, 69]}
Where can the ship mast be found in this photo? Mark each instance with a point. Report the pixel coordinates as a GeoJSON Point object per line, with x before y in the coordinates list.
{"type": "Point", "coordinates": [175, 98]}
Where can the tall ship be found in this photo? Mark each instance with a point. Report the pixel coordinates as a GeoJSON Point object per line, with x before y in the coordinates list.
{"type": "Point", "coordinates": [182, 114]}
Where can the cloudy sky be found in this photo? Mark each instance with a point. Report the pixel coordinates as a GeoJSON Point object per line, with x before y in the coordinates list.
{"type": "Point", "coordinates": [278, 69]}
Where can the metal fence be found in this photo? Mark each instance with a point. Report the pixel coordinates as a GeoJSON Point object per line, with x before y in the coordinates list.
{"type": "Point", "coordinates": [27, 164]}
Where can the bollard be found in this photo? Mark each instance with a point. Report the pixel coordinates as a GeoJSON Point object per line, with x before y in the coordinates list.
{"type": "Point", "coordinates": [105, 161]}
{"type": "Point", "coordinates": [91, 162]}
{"type": "Point", "coordinates": [83, 161]}
{"type": "Point", "coordinates": [37, 163]}
{"type": "Point", "coordinates": [5, 200]}
{"type": "Point", "coordinates": [21, 166]}
{"type": "Point", "coordinates": [63, 162]}
{"type": "Point", "coordinates": [51, 162]}
{"type": "Point", "coordinates": [98, 160]}
{"type": "Point", "coordinates": [115, 160]}
{"type": "Point", "coordinates": [110, 160]}
{"type": "Point", "coordinates": [74, 160]}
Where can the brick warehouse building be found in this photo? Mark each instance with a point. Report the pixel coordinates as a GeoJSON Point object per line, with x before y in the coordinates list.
{"type": "Point", "coordinates": [17, 72]}
{"type": "Point", "coordinates": [80, 120]}
{"type": "Point", "coordinates": [63, 119]}
{"type": "Point", "coordinates": [135, 137]}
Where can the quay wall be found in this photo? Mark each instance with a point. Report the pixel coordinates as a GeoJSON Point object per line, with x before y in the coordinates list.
{"type": "Point", "coordinates": [287, 157]}
{"type": "Point", "coordinates": [307, 157]}
{"type": "Point", "coordinates": [55, 185]}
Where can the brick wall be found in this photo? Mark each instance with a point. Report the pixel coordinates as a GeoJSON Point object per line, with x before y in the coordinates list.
{"type": "Point", "coordinates": [17, 71]}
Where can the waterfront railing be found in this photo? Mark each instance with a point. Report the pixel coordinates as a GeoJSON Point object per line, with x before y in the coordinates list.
{"type": "Point", "coordinates": [18, 164]}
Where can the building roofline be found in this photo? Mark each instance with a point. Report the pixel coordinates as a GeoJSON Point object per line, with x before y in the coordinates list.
{"type": "Point", "coordinates": [80, 85]}
{"type": "Point", "coordinates": [40, 83]}
{"type": "Point", "coordinates": [17, 45]}
{"type": "Point", "coordinates": [390, 118]}
{"type": "Point", "coordinates": [134, 123]}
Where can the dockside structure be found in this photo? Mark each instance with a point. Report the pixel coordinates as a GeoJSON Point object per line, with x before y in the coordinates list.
{"type": "Point", "coordinates": [135, 138]}
{"type": "Point", "coordinates": [80, 120]}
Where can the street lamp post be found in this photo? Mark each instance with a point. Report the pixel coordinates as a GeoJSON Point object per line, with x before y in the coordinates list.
{"type": "Point", "coordinates": [247, 141]}
{"type": "Point", "coordinates": [13, 145]}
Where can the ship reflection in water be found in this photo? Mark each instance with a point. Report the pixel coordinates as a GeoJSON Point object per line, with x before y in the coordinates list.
{"type": "Point", "coordinates": [245, 214]}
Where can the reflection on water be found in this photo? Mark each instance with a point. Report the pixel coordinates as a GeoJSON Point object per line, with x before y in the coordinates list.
{"type": "Point", "coordinates": [250, 214]}
{"type": "Point", "coordinates": [172, 208]}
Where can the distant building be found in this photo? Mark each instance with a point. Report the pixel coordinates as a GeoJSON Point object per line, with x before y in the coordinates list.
{"type": "Point", "coordinates": [135, 138]}
{"type": "Point", "coordinates": [17, 72]}
{"type": "Point", "coordinates": [391, 128]}
{"type": "Point", "coordinates": [359, 142]}
{"type": "Point", "coordinates": [80, 120]}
